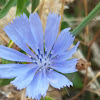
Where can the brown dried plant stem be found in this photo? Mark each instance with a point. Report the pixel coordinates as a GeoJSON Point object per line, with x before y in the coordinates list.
{"type": "Point", "coordinates": [81, 42]}
{"type": "Point", "coordinates": [92, 90]}
{"type": "Point", "coordinates": [85, 79]}
{"type": "Point", "coordinates": [61, 13]}
{"type": "Point", "coordinates": [4, 39]}
{"type": "Point", "coordinates": [86, 13]}
{"type": "Point", "coordinates": [89, 48]}
{"type": "Point", "coordinates": [41, 9]}
{"type": "Point", "coordinates": [96, 76]}
{"type": "Point", "coordinates": [38, 7]}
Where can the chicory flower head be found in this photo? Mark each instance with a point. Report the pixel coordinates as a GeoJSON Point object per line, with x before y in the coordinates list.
{"type": "Point", "coordinates": [50, 56]}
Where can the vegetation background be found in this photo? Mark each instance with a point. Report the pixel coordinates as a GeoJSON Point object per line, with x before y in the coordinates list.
{"type": "Point", "coordinates": [87, 80]}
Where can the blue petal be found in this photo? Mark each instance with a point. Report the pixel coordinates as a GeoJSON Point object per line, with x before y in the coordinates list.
{"type": "Point", "coordinates": [14, 55]}
{"type": "Point", "coordinates": [36, 28]}
{"type": "Point", "coordinates": [8, 71]}
{"type": "Point", "coordinates": [44, 83]}
{"type": "Point", "coordinates": [64, 41]}
{"type": "Point", "coordinates": [31, 90]}
{"type": "Point", "coordinates": [66, 55]}
{"type": "Point", "coordinates": [23, 26]}
{"type": "Point", "coordinates": [58, 80]}
{"type": "Point", "coordinates": [68, 66]}
{"type": "Point", "coordinates": [51, 31]}
{"type": "Point", "coordinates": [38, 86]}
{"type": "Point", "coordinates": [15, 36]}
{"type": "Point", "coordinates": [22, 80]}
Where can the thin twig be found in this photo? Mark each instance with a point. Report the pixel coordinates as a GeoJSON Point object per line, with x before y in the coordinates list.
{"type": "Point", "coordinates": [93, 91]}
{"type": "Point", "coordinates": [4, 39]}
{"type": "Point", "coordinates": [61, 13]}
{"type": "Point", "coordinates": [97, 75]}
{"type": "Point", "coordinates": [41, 9]}
{"type": "Point", "coordinates": [86, 13]}
{"type": "Point", "coordinates": [86, 86]}
{"type": "Point", "coordinates": [85, 79]}
{"type": "Point", "coordinates": [38, 7]}
{"type": "Point", "coordinates": [89, 48]}
{"type": "Point", "coordinates": [10, 45]}
{"type": "Point", "coordinates": [81, 42]}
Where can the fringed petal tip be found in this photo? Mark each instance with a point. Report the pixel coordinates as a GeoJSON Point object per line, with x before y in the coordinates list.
{"type": "Point", "coordinates": [52, 13]}
{"type": "Point", "coordinates": [68, 85]}
{"type": "Point", "coordinates": [15, 19]}
{"type": "Point", "coordinates": [36, 97]}
{"type": "Point", "coordinates": [15, 85]}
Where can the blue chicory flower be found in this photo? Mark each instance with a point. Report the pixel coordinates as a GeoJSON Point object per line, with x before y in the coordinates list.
{"type": "Point", "coordinates": [50, 54]}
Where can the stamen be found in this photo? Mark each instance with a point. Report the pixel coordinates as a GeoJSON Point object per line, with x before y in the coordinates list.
{"type": "Point", "coordinates": [38, 51]}
{"type": "Point", "coordinates": [45, 64]}
{"type": "Point", "coordinates": [42, 55]}
{"type": "Point", "coordinates": [35, 62]}
{"type": "Point", "coordinates": [50, 69]}
{"type": "Point", "coordinates": [50, 55]}
{"type": "Point", "coordinates": [49, 64]}
{"type": "Point", "coordinates": [40, 69]}
{"type": "Point", "coordinates": [37, 56]}
{"type": "Point", "coordinates": [32, 58]}
{"type": "Point", "coordinates": [41, 60]}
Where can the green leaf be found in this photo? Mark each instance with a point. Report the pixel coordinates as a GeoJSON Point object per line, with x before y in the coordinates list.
{"type": "Point", "coordinates": [64, 25]}
{"type": "Point", "coordinates": [26, 12]}
{"type": "Point", "coordinates": [5, 81]}
{"type": "Point", "coordinates": [7, 7]}
{"type": "Point", "coordinates": [20, 7]}
{"type": "Point", "coordinates": [34, 5]}
{"type": "Point", "coordinates": [9, 42]}
{"type": "Point", "coordinates": [75, 79]}
{"type": "Point", "coordinates": [87, 20]}
{"type": "Point", "coordinates": [2, 2]}
{"type": "Point", "coordinates": [48, 98]}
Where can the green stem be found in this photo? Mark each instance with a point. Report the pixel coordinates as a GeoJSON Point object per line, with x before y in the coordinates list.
{"type": "Point", "coordinates": [20, 7]}
{"type": "Point", "coordinates": [87, 20]}
{"type": "Point", "coordinates": [34, 5]}
{"type": "Point", "coordinates": [26, 12]}
{"type": "Point", "coordinates": [7, 7]}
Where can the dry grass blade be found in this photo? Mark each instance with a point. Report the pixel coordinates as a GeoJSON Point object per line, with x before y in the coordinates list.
{"type": "Point", "coordinates": [61, 13]}
{"type": "Point", "coordinates": [97, 75]}
{"type": "Point", "coordinates": [38, 7]}
{"type": "Point", "coordinates": [4, 39]}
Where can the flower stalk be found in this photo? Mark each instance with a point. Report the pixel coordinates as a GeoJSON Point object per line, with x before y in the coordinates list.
{"type": "Point", "coordinates": [87, 20]}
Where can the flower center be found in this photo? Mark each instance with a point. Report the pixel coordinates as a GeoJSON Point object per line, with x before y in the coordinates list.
{"type": "Point", "coordinates": [42, 60]}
